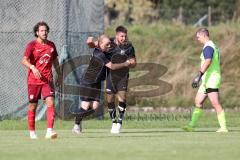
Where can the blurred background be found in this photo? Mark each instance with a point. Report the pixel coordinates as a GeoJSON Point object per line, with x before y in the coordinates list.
{"type": "Point", "coordinates": [186, 12]}
{"type": "Point", "coordinates": [162, 32]}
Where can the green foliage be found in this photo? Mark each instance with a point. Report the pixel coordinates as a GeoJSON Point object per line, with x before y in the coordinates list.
{"type": "Point", "coordinates": [139, 11]}
{"type": "Point", "coordinates": [136, 11]}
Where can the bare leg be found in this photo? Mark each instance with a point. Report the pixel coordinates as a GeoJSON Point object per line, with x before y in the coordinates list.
{"type": "Point", "coordinates": [199, 99]}
{"type": "Point", "coordinates": [214, 99]}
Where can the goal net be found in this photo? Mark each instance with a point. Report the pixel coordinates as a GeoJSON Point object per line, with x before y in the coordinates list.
{"type": "Point", "coordinates": [70, 22]}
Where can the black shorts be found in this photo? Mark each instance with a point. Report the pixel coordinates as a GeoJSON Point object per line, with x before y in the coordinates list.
{"type": "Point", "coordinates": [90, 92]}
{"type": "Point", "coordinates": [115, 85]}
{"type": "Point", "coordinates": [210, 90]}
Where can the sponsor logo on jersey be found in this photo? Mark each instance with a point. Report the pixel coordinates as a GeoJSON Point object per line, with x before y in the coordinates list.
{"type": "Point", "coordinates": [122, 52]}
{"type": "Point", "coordinates": [44, 59]}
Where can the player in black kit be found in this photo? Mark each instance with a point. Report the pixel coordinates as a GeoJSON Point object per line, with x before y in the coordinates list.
{"type": "Point", "coordinates": [90, 87]}
{"type": "Point", "coordinates": [117, 80]}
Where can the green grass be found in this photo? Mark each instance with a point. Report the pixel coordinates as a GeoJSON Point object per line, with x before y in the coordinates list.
{"type": "Point", "coordinates": [131, 144]}
{"type": "Point", "coordinates": [143, 137]}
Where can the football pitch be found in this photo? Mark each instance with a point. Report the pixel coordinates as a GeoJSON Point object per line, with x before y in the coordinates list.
{"type": "Point", "coordinates": [139, 139]}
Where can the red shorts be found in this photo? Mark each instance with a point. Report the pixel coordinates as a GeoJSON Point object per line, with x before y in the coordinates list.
{"type": "Point", "coordinates": [35, 92]}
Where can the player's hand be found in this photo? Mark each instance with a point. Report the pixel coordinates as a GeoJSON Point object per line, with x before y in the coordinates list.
{"type": "Point", "coordinates": [36, 72]}
{"type": "Point", "coordinates": [90, 42]}
{"type": "Point", "coordinates": [132, 62]}
{"type": "Point", "coordinates": [127, 63]}
{"type": "Point", "coordinates": [196, 80]}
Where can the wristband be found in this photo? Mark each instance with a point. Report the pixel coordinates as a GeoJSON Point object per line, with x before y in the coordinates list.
{"type": "Point", "coordinates": [31, 67]}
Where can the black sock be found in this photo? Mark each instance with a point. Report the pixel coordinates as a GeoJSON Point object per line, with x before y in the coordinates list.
{"type": "Point", "coordinates": [79, 117]}
{"type": "Point", "coordinates": [112, 111]}
{"type": "Point", "coordinates": [121, 109]}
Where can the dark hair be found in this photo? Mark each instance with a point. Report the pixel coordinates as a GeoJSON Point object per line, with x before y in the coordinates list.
{"type": "Point", "coordinates": [36, 27]}
{"type": "Point", "coordinates": [121, 29]}
{"type": "Point", "coordinates": [204, 31]}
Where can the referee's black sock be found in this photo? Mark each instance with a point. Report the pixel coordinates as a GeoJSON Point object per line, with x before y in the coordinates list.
{"type": "Point", "coordinates": [112, 111]}
{"type": "Point", "coordinates": [121, 109]}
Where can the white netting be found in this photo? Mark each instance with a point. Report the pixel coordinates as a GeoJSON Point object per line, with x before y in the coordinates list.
{"type": "Point", "coordinates": [70, 23]}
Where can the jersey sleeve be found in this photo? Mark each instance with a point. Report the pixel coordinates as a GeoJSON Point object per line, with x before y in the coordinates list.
{"type": "Point", "coordinates": [101, 56]}
{"type": "Point", "coordinates": [104, 59]}
{"type": "Point", "coordinates": [132, 53]}
{"type": "Point", "coordinates": [29, 50]}
{"type": "Point", "coordinates": [208, 52]}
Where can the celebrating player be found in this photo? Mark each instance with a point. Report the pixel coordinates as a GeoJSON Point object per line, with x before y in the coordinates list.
{"type": "Point", "coordinates": [39, 57]}
{"type": "Point", "coordinates": [210, 75]}
{"type": "Point", "coordinates": [90, 87]}
{"type": "Point", "coordinates": [117, 80]}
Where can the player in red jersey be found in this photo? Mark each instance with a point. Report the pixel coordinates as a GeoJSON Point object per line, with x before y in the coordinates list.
{"type": "Point", "coordinates": [39, 57]}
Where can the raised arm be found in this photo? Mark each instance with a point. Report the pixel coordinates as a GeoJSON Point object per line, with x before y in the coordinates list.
{"type": "Point", "coordinates": [91, 43]}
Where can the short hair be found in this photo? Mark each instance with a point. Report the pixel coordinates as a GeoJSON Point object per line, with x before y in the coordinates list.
{"type": "Point", "coordinates": [36, 27]}
{"type": "Point", "coordinates": [204, 31]}
{"type": "Point", "coordinates": [121, 29]}
{"type": "Point", "coordinates": [101, 38]}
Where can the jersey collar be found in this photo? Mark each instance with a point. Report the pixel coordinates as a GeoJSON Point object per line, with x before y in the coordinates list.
{"type": "Point", "coordinates": [208, 43]}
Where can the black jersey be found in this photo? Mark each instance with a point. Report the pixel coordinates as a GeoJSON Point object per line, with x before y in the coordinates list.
{"type": "Point", "coordinates": [119, 54]}
{"type": "Point", "coordinates": [96, 70]}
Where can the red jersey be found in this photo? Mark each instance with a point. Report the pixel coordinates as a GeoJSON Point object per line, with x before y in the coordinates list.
{"type": "Point", "coordinates": [41, 56]}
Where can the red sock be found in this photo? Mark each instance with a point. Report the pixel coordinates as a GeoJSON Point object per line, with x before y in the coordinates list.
{"type": "Point", "coordinates": [50, 116]}
{"type": "Point", "coordinates": [31, 120]}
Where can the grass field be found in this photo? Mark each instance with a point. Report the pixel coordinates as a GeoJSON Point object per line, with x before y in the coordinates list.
{"type": "Point", "coordinates": [143, 138]}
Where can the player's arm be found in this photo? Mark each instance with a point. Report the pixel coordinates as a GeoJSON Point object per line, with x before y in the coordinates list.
{"type": "Point", "coordinates": [91, 43]}
{"type": "Point", "coordinates": [134, 62]}
{"type": "Point", "coordinates": [26, 62]}
{"type": "Point", "coordinates": [205, 65]}
{"type": "Point", "coordinates": [208, 55]}
{"type": "Point", "coordinates": [115, 66]}
{"type": "Point", "coordinates": [133, 58]}
{"type": "Point", "coordinates": [57, 68]}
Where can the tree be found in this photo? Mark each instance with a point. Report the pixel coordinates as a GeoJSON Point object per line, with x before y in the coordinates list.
{"type": "Point", "coordinates": [138, 11]}
{"type": "Point", "coordinates": [130, 11]}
